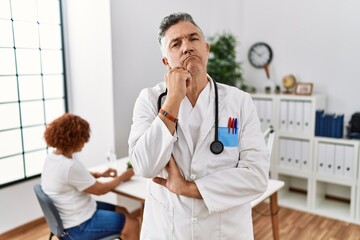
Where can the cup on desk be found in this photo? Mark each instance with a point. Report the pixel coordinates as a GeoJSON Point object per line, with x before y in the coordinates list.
{"type": "Point", "coordinates": [111, 159]}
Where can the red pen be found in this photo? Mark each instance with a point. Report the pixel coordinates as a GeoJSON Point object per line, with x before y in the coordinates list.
{"type": "Point", "coordinates": [229, 124]}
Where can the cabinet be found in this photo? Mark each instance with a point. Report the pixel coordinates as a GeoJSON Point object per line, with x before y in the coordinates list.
{"type": "Point", "coordinates": [335, 178]}
{"type": "Point", "coordinates": [320, 174]}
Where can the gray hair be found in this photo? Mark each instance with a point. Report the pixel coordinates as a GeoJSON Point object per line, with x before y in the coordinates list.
{"type": "Point", "coordinates": [173, 19]}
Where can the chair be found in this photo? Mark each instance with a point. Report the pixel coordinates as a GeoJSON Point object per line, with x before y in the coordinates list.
{"type": "Point", "coordinates": [269, 134]}
{"type": "Point", "coordinates": [52, 216]}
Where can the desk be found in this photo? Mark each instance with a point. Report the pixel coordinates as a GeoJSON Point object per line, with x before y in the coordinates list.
{"type": "Point", "coordinates": [136, 189]}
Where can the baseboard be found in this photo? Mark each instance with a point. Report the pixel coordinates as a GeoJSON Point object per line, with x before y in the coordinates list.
{"type": "Point", "coordinates": [23, 228]}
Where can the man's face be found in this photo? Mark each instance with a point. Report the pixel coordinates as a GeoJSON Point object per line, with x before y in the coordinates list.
{"type": "Point", "coordinates": [184, 46]}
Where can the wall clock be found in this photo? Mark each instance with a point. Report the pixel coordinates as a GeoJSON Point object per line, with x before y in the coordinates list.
{"type": "Point", "coordinates": [260, 55]}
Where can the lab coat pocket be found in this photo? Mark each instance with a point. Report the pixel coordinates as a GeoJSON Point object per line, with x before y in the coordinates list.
{"type": "Point", "coordinates": [158, 219]}
{"type": "Point", "coordinates": [228, 137]}
{"type": "Point", "coordinates": [229, 158]}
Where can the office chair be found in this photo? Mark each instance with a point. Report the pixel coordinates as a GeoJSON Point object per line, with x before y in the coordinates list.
{"type": "Point", "coordinates": [52, 216]}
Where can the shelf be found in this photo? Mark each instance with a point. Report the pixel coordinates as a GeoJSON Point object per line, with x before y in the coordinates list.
{"type": "Point", "coordinates": [335, 179]}
{"type": "Point", "coordinates": [293, 172]}
{"type": "Point", "coordinates": [333, 209]}
{"type": "Point", "coordinates": [314, 97]}
{"type": "Point", "coordinates": [341, 155]}
{"type": "Point", "coordinates": [321, 174]}
{"type": "Point", "coordinates": [344, 141]}
{"type": "Point", "coordinates": [295, 135]}
{"type": "Point", "coordinates": [293, 200]}
{"type": "Point", "coordinates": [295, 192]}
{"type": "Point", "coordinates": [357, 207]}
{"type": "Point", "coordinates": [334, 200]}
{"type": "Point", "coordinates": [288, 97]}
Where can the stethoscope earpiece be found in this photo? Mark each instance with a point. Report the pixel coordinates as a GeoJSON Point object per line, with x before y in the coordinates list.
{"type": "Point", "coordinates": [216, 147]}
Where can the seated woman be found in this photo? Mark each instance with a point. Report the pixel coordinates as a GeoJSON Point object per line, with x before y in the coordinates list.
{"type": "Point", "coordinates": [69, 184]}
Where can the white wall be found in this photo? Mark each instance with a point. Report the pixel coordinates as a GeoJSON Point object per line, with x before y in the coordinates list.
{"type": "Point", "coordinates": [90, 73]}
{"type": "Point", "coordinates": [317, 41]}
{"type": "Point", "coordinates": [136, 54]}
{"type": "Point", "coordinates": [90, 79]}
{"type": "Point", "coordinates": [18, 205]}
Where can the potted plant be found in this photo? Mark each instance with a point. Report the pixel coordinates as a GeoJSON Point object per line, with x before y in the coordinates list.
{"type": "Point", "coordinates": [277, 89]}
{"type": "Point", "coordinates": [222, 64]}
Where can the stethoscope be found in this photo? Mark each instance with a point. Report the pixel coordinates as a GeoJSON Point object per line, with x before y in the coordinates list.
{"type": "Point", "coordinates": [216, 147]}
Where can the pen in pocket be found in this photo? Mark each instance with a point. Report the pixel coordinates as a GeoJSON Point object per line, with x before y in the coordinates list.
{"type": "Point", "coordinates": [232, 125]}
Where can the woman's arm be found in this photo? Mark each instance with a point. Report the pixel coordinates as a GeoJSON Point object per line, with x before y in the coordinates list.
{"type": "Point", "coordinates": [100, 188]}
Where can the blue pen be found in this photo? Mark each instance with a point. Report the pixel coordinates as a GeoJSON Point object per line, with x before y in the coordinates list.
{"type": "Point", "coordinates": [235, 125]}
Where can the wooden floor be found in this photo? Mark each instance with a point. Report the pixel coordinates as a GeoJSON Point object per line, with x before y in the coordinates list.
{"type": "Point", "coordinates": [294, 225]}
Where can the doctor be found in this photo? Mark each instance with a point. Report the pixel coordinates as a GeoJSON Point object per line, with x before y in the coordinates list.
{"type": "Point", "coordinates": [201, 143]}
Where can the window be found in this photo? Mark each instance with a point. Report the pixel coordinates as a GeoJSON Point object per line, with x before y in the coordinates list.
{"type": "Point", "coordinates": [32, 84]}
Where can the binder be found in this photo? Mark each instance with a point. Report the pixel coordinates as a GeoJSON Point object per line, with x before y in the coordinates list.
{"type": "Point", "coordinates": [283, 115]}
{"type": "Point", "coordinates": [297, 154]}
{"type": "Point", "coordinates": [307, 116]}
{"type": "Point", "coordinates": [291, 116]}
{"type": "Point", "coordinates": [305, 155]}
{"type": "Point", "coordinates": [339, 126]}
{"type": "Point", "coordinates": [282, 152]}
{"type": "Point", "coordinates": [299, 116]}
{"type": "Point", "coordinates": [290, 153]}
{"type": "Point", "coordinates": [262, 109]}
{"type": "Point", "coordinates": [339, 160]}
{"type": "Point", "coordinates": [349, 161]}
{"type": "Point", "coordinates": [329, 159]}
{"type": "Point", "coordinates": [328, 124]}
{"type": "Point", "coordinates": [322, 125]}
{"type": "Point", "coordinates": [321, 158]}
{"type": "Point", "coordinates": [318, 123]}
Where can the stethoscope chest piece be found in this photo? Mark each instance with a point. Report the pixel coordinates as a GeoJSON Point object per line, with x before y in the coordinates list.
{"type": "Point", "coordinates": [216, 147]}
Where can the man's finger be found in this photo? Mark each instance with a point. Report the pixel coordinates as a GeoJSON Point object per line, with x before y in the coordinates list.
{"type": "Point", "coordinates": [160, 181]}
{"type": "Point", "coordinates": [172, 162]}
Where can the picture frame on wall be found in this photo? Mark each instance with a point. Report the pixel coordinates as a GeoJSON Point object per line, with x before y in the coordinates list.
{"type": "Point", "coordinates": [305, 89]}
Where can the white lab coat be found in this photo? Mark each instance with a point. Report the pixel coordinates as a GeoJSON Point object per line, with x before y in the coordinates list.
{"type": "Point", "coordinates": [228, 182]}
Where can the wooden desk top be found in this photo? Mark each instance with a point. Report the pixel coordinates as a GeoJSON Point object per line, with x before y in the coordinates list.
{"type": "Point", "coordinates": [136, 188]}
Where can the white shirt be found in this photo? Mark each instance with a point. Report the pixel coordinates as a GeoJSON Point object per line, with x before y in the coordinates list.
{"type": "Point", "coordinates": [195, 115]}
{"type": "Point", "coordinates": [64, 180]}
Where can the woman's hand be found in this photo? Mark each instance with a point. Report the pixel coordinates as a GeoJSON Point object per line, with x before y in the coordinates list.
{"type": "Point", "coordinates": [109, 173]}
{"type": "Point", "coordinates": [125, 176]}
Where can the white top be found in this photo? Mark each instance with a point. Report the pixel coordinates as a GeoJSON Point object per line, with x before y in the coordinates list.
{"type": "Point", "coordinates": [195, 115]}
{"type": "Point", "coordinates": [64, 180]}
